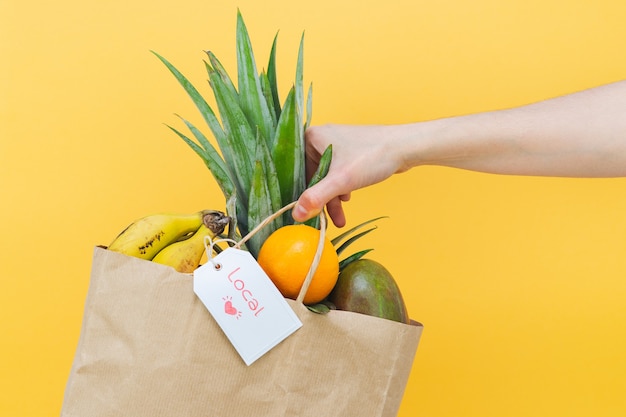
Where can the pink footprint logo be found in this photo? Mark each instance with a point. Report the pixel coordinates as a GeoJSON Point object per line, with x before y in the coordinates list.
{"type": "Point", "coordinates": [230, 309]}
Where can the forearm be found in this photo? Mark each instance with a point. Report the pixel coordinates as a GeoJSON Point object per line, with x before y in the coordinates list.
{"type": "Point", "coordinates": [579, 135]}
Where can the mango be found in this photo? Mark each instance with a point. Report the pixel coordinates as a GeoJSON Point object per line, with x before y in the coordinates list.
{"type": "Point", "coordinates": [365, 286]}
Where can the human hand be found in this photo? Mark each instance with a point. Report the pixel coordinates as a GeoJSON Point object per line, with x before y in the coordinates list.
{"type": "Point", "coordinates": [577, 135]}
{"type": "Point", "coordinates": [362, 156]}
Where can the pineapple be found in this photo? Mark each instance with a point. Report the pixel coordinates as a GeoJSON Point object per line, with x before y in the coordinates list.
{"type": "Point", "coordinates": [260, 164]}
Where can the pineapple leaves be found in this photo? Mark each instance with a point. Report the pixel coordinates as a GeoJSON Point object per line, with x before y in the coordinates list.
{"type": "Point", "coordinates": [288, 149]}
{"type": "Point", "coordinates": [271, 176]}
{"type": "Point", "coordinates": [309, 106]}
{"type": "Point", "coordinates": [209, 156]}
{"type": "Point", "coordinates": [264, 199]}
{"type": "Point", "coordinates": [217, 66]}
{"type": "Point", "coordinates": [259, 208]}
{"type": "Point", "coordinates": [266, 87]}
{"type": "Point", "coordinates": [300, 78]}
{"type": "Point", "coordinates": [203, 107]}
{"type": "Point", "coordinates": [351, 238]}
{"type": "Point", "coordinates": [241, 138]}
{"type": "Point", "coordinates": [258, 160]}
{"type": "Point", "coordinates": [354, 257]}
{"type": "Point", "coordinates": [323, 166]}
{"type": "Point", "coordinates": [253, 101]}
{"type": "Point", "coordinates": [211, 120]}
{"type": "Point", "coordinates": [271, 77]}
{"type": "Point", "coordinates": [320, 172]}
{"type": "Point", "coordinates": [344, 235]}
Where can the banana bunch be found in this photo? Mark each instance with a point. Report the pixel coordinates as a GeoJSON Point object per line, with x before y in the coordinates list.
{"type": "Point", "coordinates": [176, 240]}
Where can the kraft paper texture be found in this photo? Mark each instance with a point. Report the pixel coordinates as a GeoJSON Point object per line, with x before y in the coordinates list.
{"type": "Point", "coordinates": [149, 348]}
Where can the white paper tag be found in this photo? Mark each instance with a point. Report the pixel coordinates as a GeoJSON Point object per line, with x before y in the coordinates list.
{"type": "Point", "coordinates": [245, 303]}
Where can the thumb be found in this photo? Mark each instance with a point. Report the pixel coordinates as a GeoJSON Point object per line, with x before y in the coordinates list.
{"type": "Point", "coordinates": [312, 201]}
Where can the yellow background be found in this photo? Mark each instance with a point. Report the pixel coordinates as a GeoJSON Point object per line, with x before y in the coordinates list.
{"type": "Point", "coordinates": [520, 282]}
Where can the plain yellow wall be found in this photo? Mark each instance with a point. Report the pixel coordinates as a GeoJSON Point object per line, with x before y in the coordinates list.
{"type": "Point", "coordinates": [520, 282]}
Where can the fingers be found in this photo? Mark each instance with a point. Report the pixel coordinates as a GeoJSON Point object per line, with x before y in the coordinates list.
{"type": "Point", "coordinates": [332, 190]}
{"type": "Point", "coordinates": [336, 213]}
{"type": "Point", "coordinates": [313, 200]}
{"type": "Point", "coordinates": [301, 213]}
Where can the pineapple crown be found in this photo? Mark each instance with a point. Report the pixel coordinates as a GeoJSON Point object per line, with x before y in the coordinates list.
{"type": "Point", "coordinates": [260, 166]}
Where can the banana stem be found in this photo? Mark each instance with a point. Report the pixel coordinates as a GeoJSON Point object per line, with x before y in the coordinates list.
{"type": "Point", "coordinates": [215, 221]}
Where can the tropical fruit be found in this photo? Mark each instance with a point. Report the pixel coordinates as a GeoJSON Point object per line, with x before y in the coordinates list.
{"type": "Point", "coordinates": [287, 255]}
{"type": "Point", "coordinates": [185, 255]}
{"type": "Point", "coordinates": [365, 286]}
{"type": "Point", "coordinates": [258, 156]}
{"type": "Point", "coordinates": [146, 237]}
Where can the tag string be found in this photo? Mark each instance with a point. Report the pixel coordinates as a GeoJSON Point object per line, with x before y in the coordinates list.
{"type": "Point", "coordinates": [209, 243]}
{"type": "Point", "coordinates": [316, 260]}
{"type": "Point", "coordinates": [265, 222]}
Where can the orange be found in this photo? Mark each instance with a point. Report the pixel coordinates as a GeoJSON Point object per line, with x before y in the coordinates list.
{"type": "Point", "coordinates": [286, 256]}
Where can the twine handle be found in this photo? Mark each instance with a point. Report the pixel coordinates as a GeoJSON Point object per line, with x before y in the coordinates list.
{"type": "Point", "coordinates": [316, 260]}
{"type": "Point", "coordinates": [318, 252]}
{"type": "Point", "coordinates": [264, 223]}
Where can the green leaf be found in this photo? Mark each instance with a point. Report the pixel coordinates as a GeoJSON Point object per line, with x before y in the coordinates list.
{"type": "Point", "coordinates": [216, 65]}
{"type": "Point", "coordinates": [202, 140]}
{"type": "Point", "coordinates": [323, 166]}
{"type": "Point", "coordinates": [352, 258]}
{"type": "Point", "coordinates": [309, 106]}
{"type": "Point", "coordinates": [319, 308]}
{"type": "Point", "coordinates": [232, 203]}
{"type": "Point", "coordinates": [251, 113]}
{"type": "Point", "coordinates": [288, 150]}
{"type": "Point", "coordinates": [300, 184]}
{"type": "Point", "coordinates": [241, 137]}
{"type": "Point", "coordinates": [232, 153]}
{"type": "Point", "coordinates": [251, 96]}
{"type": "Point", "coordinates": [300, 78]}
{"type": "Point", "coordinates": [202, 106]}
{"type": "Point", "coordinates": [352, 240]}
{"type": "Point", "coordinates": [271, 76]}
{"type": "Point", "coordinates": [271, 177]}
{"type": "Point", "coordinates": [342, 236]}
{"type": "Point", "coordinates": [210, 157]}
{"type": "Point", "coordinates": [320, 172]}
{"type": "Point", "coordinates": [260, 208]}
{"type": "Point", "coordinates": [267, 93]}
{"type": "Point", "coordinates": [193, 145]}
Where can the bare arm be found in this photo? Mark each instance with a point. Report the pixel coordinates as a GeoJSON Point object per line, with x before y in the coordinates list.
{"type": "Point", "coordinates": [578, 135]}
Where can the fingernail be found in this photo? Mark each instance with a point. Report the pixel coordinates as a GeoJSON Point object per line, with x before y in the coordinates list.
{"type": "Point", "coordinates": [300, 213]}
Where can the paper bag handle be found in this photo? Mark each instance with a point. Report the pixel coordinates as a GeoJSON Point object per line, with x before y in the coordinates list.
{"type": "Point", "coordinates": [318, 252]}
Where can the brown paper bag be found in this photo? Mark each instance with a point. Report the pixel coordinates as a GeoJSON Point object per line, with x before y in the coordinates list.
{"type": "Point", "coordinates": [148, 347]}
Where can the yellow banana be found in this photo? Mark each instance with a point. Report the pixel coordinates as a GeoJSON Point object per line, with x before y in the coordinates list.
{"type": "Point", "coordinates": [185, 256]}
{"type": "Point", "coordinates": [147, 236]}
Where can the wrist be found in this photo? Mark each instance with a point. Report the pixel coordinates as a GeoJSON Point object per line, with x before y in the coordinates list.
{"type": "Point", "coordinates": [422, 143]}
